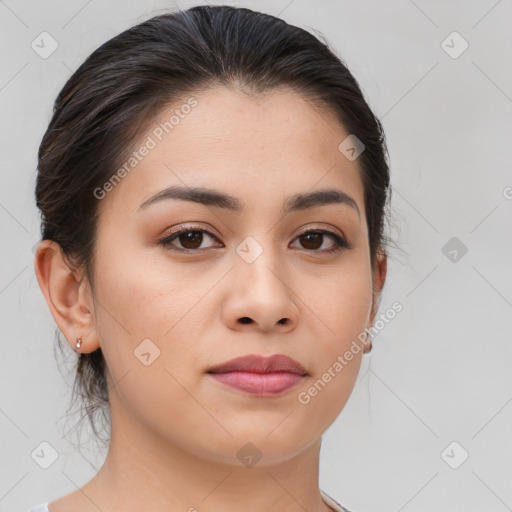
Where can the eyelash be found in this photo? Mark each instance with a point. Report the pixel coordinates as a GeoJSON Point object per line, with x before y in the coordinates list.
{"type": "Point", "coordinates": [340, 243]}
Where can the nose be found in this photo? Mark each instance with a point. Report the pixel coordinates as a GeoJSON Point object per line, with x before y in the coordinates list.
{"type": "Point", "coordinates": [260, 297]}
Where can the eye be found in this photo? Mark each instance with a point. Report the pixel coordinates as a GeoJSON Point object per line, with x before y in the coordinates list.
{"type": "Point", "coordinates": [314, 240]}
{"type": "Point", "coordinates": [189, 238]}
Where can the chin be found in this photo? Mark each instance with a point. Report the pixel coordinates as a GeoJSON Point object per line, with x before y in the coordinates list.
{"type": "Point", "coordinates": [256, 447]}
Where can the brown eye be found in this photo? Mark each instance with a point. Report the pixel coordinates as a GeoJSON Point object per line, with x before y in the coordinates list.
{"type": "Point", "coordinates": [191, 239]}
{"type": "Point", "coordinates": [188, 239]}
{"type": "Point", "coordinates": [313, 240]}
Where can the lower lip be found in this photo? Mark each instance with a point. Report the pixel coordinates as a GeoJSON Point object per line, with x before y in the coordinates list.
{"type": "Point", "coordinates": [261, 384]}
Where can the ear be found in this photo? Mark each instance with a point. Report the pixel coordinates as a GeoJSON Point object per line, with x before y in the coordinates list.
{"type": "Point", "coordinates": [69, 297]}
{"type": "Point", "coordinates": [379, 277]}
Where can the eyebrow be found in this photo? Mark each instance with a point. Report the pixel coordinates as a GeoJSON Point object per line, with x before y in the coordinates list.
{"type": "Point", "coordinates": [210, 197]}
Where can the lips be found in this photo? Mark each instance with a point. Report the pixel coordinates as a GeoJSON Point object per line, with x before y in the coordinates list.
{"type": "Point", "coordinates": [260, 364]}
{"type": "Point", "coordinates": [258, 375]}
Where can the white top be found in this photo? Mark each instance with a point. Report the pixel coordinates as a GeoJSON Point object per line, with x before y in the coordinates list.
{"type": "Point", "coordinates": [40, 508]}
{"type": "Point", "coordinates": [330, 501]}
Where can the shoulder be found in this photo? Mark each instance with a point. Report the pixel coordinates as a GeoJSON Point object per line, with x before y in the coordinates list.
{"type": "Point", "coordinates": [40, 508]}
{"type": "Point", "coordinates": [333, 503]}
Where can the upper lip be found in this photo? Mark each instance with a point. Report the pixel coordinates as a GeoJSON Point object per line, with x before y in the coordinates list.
{"type": "Point", "coordinates": [260, 364]}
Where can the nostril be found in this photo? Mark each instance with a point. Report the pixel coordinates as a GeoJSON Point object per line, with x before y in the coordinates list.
{"type": "Point", "coordinates": [245, 320]}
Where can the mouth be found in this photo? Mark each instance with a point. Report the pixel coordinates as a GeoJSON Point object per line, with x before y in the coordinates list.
{"type": "Point", "coordinates": [258, 375]}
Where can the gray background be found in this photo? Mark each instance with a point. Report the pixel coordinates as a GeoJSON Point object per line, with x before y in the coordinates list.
{"type": "Point", "coordinates": [439, 372]}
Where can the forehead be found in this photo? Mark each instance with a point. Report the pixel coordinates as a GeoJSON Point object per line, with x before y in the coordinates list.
{"type": "Point", "coordinates": [245, 145]}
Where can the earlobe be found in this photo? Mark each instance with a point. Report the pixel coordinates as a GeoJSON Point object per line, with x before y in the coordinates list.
{"type": "Point", "coordinates": [69, 300]}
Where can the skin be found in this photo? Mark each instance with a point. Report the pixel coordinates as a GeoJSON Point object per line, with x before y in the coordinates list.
{"type": "Point", "coordinates": [175, 431]}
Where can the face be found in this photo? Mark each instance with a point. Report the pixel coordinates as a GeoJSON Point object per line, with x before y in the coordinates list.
{"type": "Point", "coordinates": [181, 286]}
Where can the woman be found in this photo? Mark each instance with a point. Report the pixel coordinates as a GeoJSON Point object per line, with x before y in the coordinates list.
{"type": "Point", "coordinates": [212, 188]}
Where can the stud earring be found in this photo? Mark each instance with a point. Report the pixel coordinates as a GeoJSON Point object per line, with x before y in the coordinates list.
{"type": "Point", "coordinates": [78, 342]}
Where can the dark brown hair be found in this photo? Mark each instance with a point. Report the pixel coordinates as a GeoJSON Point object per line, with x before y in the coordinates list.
{"type": "Point", "coordinates": [108, 103]}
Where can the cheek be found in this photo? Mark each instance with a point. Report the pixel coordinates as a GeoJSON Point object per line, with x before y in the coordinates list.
{"type": "Point", "coordinates": [145, 306]}
{"type": "Point", "coordinates": [143, 296]}
{"type": "Point", "coordinates": [341, 301]}
{"type": "Point", "coordinates": [145, 335]}
{"type": "Point", "coordinates": [342, 312]}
